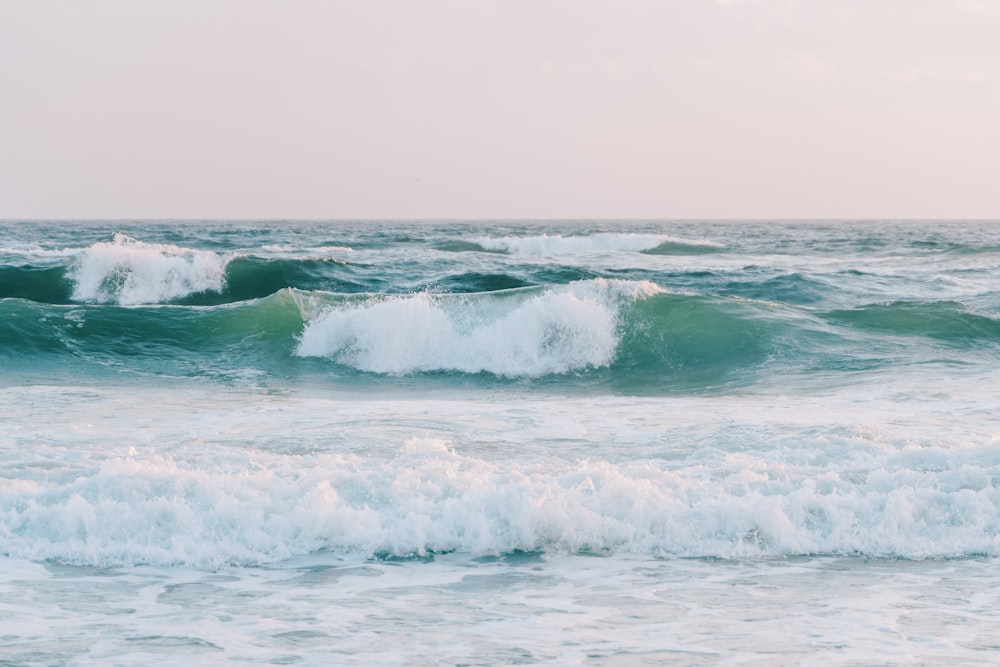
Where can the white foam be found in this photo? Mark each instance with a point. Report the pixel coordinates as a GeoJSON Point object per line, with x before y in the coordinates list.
{"type": "Point", "coordinates": [264, 507]}
{"type": "Point", "coordinates": [548, 245]}
{"type": "Point", "coordinates": [130, 272]}
{"type": "Point", "coordinates": [528, 333]}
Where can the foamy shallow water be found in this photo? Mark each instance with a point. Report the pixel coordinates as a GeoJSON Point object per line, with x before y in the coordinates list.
{"type": "Point", "coordinates": [222, 526]}
{"type": "Point", "coordinates": [117, 475]}
{"type": "Point", "coordinates": [518, 609]}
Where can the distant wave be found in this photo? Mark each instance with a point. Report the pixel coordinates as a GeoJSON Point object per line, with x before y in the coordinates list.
{"type": "Point", "coordinates": [33, 251]}
{"type": "Point", "coordinates": [128, 272]}
{"type": "Point", "coordinates": [288, 250]}
{"type": "Point", "coordinates": [553, 245]}
{"type": "Point", "coordinates": [947, 321]}
{"type": "Point", "coordinates": [256, 277]}
{"type": "Point", "coordinates": [858, 498]}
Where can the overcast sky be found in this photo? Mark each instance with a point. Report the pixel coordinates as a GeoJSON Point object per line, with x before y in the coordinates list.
{"type": "Point", "coordinates": [500, 108]}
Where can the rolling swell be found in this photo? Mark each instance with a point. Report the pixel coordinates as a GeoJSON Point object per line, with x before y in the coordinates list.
{"type": "Point", "coordinates": [255, 277]}
{"type": "Point", "coordinates": [684, 248]}
{"type": "Point", "coordinates": [627, 336]}
{"type": "Point", "coordinates": [792, 288]}
{"type": "Point", "coordinates": [549, 245]}
{"type": "Point", "coordinates": [949, 322]}
{"type": "Point", "coordinates": [685, 341]}
{"type": "Point", "coordinates": [168, 308]}
{"type": "Point", "coordinates": [476, 281]}
{"type": "Point", "coordinates": [624, 335]}
{"type": "Point", "coordinates": [44, 284]}
{"type": "Point", "coordinates": [158, 339]}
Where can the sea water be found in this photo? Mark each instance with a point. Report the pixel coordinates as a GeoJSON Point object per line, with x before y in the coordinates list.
{"type": "Point", "coordinates": [486, 443]}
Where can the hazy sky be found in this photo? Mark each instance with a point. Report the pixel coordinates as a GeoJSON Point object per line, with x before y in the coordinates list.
{"type": "Point", "coordinates": [500, 108]}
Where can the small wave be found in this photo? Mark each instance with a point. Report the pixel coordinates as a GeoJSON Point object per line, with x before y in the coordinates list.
{"type": "Point", "coordinates": [136, 509]}
{"type": "Point", "coordinates": [157, 338]}
{"type": "Point", "coordinates": [677, 247]}
{"type": "Point", "coordinates": [463, 246]}
{"type": "Point", "coordinates": [793, 288]}
{"type": "Point", "coordinates": [33, 251]}
{"type": "Point", "coordinates": [475, 281]}
{"type": "Point", "coordinates": [255, 277]}
{"type": "Point", "coordinates": [946, 321]}
{"type": "Point", "coordinates": [128, 272]}
{"type": "Point", "coordinates": [552, 245]}
{"type": "Point", "coordinates": [287, 250]}
{"type": "Point", "coordinates": [530, 333]}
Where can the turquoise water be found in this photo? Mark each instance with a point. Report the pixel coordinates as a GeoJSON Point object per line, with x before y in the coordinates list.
{"type": "Point", "coordinates": [640, 308]}
{"type": "Point", "coordinates": [499, 443]}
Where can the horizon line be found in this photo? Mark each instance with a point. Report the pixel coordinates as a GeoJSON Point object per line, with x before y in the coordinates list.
{"type": "Point", "coordinates": [497, 219]}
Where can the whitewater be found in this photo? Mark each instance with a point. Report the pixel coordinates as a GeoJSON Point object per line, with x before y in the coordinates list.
{"type": "Point", "coordinates": [485, 443]}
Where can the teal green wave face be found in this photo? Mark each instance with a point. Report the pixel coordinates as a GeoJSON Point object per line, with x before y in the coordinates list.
{"type": "Point", "coordinates": [643, 308]}
{"type": "Point", "coordinates": [948, 322]}
{"type": "Point", "coordinates": [42, 284]}
{"type": "Point", "coordinates": [656, 343]}
{"type": "Point", "coordinates": [168, 340]}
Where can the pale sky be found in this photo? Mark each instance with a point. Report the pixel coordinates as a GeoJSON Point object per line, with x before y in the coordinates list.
{"type": "Point", "coordinates": [499, 108]}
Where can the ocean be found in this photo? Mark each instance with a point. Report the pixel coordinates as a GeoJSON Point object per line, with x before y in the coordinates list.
{"type": "Point", "coordinates": [493, 443]}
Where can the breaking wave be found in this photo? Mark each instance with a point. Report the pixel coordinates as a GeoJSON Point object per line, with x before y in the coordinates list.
{"type": "Point", "coordinates": [524, 333]}
{"type": "Point", "coordinates": [128, 272]}
{"type": "Point", "coordinates": [876, 500]}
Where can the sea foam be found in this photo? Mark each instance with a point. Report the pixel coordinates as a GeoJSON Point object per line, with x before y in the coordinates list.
{"type": "Point", "coordinates": [519, 333]}
{"type": "Point", "coordinates": [428, 498]}
{"type": "Point", "coordinates": [129, 272]}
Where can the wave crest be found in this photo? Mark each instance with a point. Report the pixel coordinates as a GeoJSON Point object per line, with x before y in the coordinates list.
{"type": "Point", "coordinates": [128, 272]}
{"type": "Point", "coordinates": [521, 333]}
